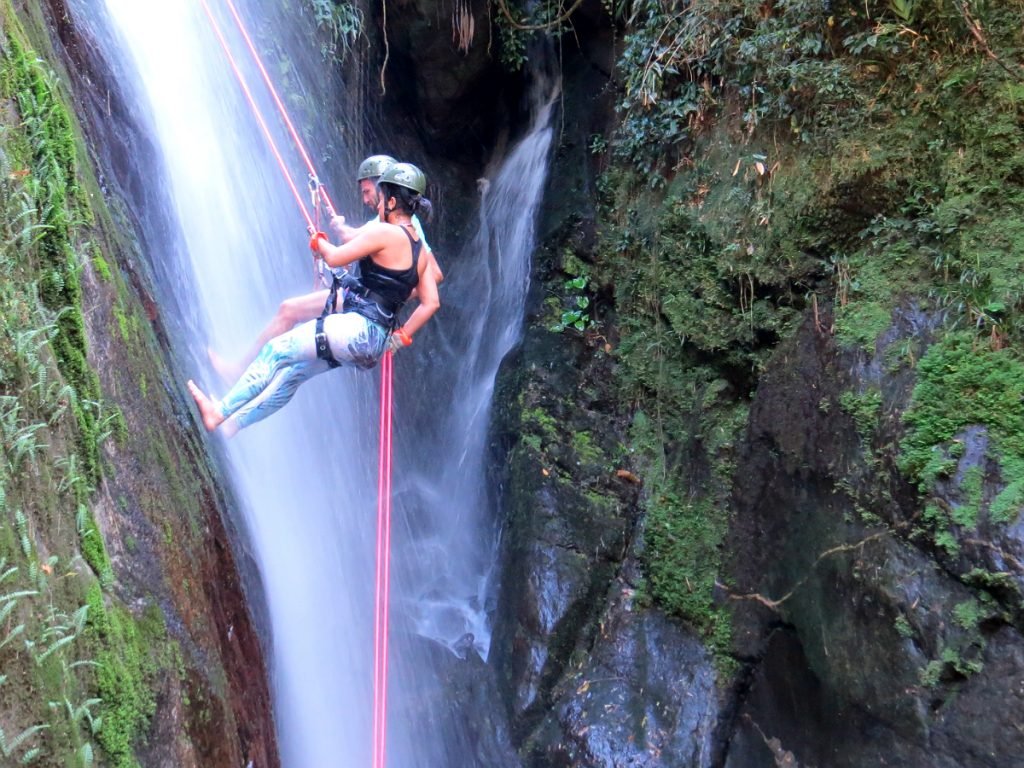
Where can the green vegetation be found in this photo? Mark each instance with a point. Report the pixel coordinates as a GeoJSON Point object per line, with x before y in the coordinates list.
{"type": "Point", "coordinates": [576, 314]}
{"type": "Point", "coordinates": [341, 21]}
{"type": "Point", "coordinates": [962, 382]}
{"type": "Point", "coordinates": [864, 409]}
{"type": "Point", "coordinates": [123, 671]}
{"type": "Point", "coordinates": [73, 670]}
{"type": "Point", "coordinates": [46, 155]}
{"type": "Point", "coordinates": [865, 166]}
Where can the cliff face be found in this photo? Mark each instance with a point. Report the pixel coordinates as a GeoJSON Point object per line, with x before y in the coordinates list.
{"type": "Point", "coordinates": [131, 607]}
{"type": "Point", "coordinates": [762, 446]}
{"type": "Point", "coordinates": [763, 480]}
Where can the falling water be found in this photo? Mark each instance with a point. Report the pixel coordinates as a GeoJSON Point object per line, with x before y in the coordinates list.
{"type": "Point", "coordinates": [482, 322]}
{"type": "Point", "coordinates": [305, 479]}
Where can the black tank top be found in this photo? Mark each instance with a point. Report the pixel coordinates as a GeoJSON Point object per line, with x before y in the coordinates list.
{"type": "Point", "coordinates": [383, 291]}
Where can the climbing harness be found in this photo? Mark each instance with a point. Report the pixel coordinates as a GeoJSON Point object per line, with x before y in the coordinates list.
{"type": "Point", "coordinates": [318, 195]}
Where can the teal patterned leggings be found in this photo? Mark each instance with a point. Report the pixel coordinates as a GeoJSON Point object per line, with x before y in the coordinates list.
{"type": "Point", "coordinates": [288, 360]}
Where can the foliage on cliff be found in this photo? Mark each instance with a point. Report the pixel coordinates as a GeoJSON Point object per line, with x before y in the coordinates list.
{"type": "Point", "coordinates": [778, 161]}
{"type": "Point", "coordinates": [85, 652]}
{"type": "Point", "coordinates": [73, 683]}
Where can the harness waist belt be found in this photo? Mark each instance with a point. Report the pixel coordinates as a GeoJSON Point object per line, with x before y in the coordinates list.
{"type": "Point", "coordinates": [388, 305]}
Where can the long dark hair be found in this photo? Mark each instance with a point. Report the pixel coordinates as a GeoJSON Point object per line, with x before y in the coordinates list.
{"type": "Point", "coordinates": [408, 200]}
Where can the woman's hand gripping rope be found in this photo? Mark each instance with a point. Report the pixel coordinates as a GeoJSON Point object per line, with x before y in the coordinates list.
{"type": "Point", "coordinates": [398, 339]}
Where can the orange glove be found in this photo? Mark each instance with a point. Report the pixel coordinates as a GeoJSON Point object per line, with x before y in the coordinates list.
{"type": "Point", "coordinates": [399, 339]}
{"type": "Point", "coordinates": [314, 242]}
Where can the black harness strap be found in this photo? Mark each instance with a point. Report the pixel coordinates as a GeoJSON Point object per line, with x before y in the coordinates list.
{"type": "Point", "coordinates": [323, 346]}
{"type": "Point", "coordinates": [387, 305]}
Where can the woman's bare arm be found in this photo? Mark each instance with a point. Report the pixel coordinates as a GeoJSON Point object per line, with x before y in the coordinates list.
{"type": "Point", "coordinates": [370, 240]}
{"type": "Point", "coordinates": [429, 301]}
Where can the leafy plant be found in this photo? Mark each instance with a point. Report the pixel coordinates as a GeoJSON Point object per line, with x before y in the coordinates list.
{"type": "Point", "coordinates": [577, 315]}
{"type": "Point", "coordinates": [343, 22]}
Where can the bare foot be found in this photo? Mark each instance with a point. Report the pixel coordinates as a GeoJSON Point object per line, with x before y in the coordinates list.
{"type": "Point", "coordinates": [211, 416]}
{"type": "Point", "coordinates": [229, 372]}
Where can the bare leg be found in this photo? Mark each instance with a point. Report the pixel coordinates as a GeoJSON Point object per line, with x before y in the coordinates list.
{"type": "Point", "coordinates": [297, 309]}
{"type": "Point", "coordinates": [211, 415]}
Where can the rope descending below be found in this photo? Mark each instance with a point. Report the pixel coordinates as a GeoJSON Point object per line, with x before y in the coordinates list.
{"type": "Point", "coordinates": [383, 576]}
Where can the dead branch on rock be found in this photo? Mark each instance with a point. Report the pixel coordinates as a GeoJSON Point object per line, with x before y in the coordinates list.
{"type": "Point", "coordinates": [974, 26]}
{"type": "Point", "coordinates": [774, 604]}
{"type": "Point", "coordinates": [783, 757]}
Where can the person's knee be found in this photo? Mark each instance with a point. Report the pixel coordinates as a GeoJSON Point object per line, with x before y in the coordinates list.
{"type": "Point", "coordinates": [288, 314]}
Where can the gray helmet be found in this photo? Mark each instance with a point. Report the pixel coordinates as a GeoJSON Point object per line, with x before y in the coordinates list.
{"type": "Point", "coordinates": [374, 166]}
{"type": "Point", "coordinates": [405, 175]}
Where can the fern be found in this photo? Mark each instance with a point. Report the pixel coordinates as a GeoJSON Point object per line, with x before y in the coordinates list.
{"type": "Point", "coordinates": [16, 632]}
{"type": "Point", "coordinates": [24, 446]}
{"type": "Point", "coordinates": [7, 749]}
{"type": "Point", "coordinates": [6, 609]}
{"type": "Point", "coordinates": [85, 756]}
{"type": "Point", "coordinates": [82, 520]}
{"type": "Point", "coordinates": [21, 525]}
{"type": "Point", "coordinates": [79, 618]}
{"type": "Point", "coordinates": [53, 648]}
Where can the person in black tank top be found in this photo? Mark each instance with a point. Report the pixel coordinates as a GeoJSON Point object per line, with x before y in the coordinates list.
{"type": "Point", "coordinates": [299, 309]}
{"type": "Point", "coordinates": [368, 323]}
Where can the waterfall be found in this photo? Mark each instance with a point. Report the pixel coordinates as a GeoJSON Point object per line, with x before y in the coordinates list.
{"type": "Point", "coordinates": [304, 481]}
{"type": "Point", "coordinates": [482, 322]}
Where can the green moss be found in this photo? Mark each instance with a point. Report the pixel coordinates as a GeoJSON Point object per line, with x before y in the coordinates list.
{"type": "Point", "coordinates": [682, 537]}
{"type": "Point", "coordinates": [946, 540]}
{"type": "Point", "coordinates": [1008, 503]}
{"type": "Point", "coordinates": [125, 667]}
{"type": "Point", "coordinates": [99, 263]}
{"type": "Point", "coordinates": [931, 674]}
{"type": "Point", "coordinates": [864, 408]}
{"type": "Point", "coordinates": [965, 514]}
{"type": "Point", "coordinates": [94, 551]}
{"type": "Point", "coordinates": [967, 614]}
{"type": "Point", "coordinates": [585, 449]}
{"type": "Point", "coordinates": [543, 429]}
{"type": "Point", "coordinates": [123, 324]}
{"type": "Point", "coordinates": [860, 323]}
{"type": "Point", "coordinates": [963, 382]}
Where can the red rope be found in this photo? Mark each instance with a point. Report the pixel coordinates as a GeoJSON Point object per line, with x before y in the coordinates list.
{"type": "Point", "coordinates": [258, 114]}
{"type": "Point", "coordinates": [279, 103]}
{"type": "Point", "coordinates": [383, 575]}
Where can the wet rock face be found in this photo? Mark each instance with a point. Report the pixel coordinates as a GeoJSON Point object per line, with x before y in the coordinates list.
{"type": "Point", "coordinates": [159, 506]}
{"type": "Point", "coordinates": [570, 522]}
{"type": "Point", "coordinates": [645, 696]}
{"type": "Point", "coordinates": [462, 703]}
{"type": "Point", "coordinates": [453, 96]}
{"type": "Point", "coordinates": [868, 645]}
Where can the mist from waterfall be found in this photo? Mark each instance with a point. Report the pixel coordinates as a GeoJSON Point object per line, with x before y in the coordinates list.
{"type": "Point", "coordinates": [305, 479]}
